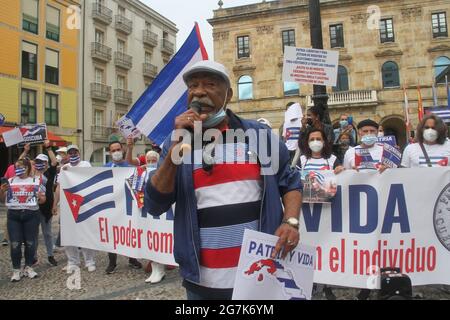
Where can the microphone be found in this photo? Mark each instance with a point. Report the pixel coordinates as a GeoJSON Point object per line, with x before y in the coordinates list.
{"type": "Point", "coordinates": [185, 147]}
{"type": "Point", "coordinates": [196, 106]}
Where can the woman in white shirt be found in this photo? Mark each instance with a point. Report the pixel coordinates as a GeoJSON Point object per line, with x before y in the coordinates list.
{"type": "Point", "coordinates": [23, 194]}
{"type": "Point", "coordinates": [432, 148]}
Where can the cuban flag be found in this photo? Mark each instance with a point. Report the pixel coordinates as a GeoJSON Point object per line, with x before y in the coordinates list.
{"type": "Point", "coordinates": [155, 111]}
{"type": "Point", "coordinates": [92, 196]}
{"type": "Point", "coordinates": [442, 111]}
{"type": "Point", "coordinates": [284, 277]}
{"type": "Point", "coordinates": [318, 177]}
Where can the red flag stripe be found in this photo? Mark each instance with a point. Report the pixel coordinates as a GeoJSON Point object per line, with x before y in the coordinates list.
{"type": "Point", "coordinates": [227, 172]}
{"type": "Point", "coordinates": [220, 258]}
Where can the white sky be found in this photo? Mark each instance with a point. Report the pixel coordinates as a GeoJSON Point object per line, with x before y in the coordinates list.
{"type": "Point", "coordinates": [184, 13]}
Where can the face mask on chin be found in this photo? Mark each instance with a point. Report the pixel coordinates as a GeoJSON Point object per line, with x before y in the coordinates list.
{"type": "Point", "coordinates": [216, 118]}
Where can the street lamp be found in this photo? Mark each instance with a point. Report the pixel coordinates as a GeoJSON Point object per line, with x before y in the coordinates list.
{"type": "Point", "coordinates": [320, 96]}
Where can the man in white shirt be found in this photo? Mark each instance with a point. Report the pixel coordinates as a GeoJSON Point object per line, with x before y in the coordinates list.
{"type": "Point", "coordinates": [366, 156]}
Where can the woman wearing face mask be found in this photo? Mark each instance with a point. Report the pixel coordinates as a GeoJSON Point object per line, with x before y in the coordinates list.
{"type": "Point", "coordinates": [317, 153]}
{"type": "Point", "coordinates": [23, 194]}
{"type": "Point", "coordinates": [432, 148]}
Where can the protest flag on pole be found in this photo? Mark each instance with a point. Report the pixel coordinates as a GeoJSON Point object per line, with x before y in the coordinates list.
{"type": "Point", "coordinates": [448, 91]}
{"type": "Point", "coordinates": [155, 111]}
{"type": "Point", "coordinates": [435, 98]}
{"type": "Point", "coordinates": [419, 104]}
{"type": "Point", "coordinates": [406, 106]}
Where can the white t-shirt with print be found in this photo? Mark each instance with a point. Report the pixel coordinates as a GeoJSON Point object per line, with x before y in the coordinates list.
{"type": "Point", "coordinates": [376, 152]}
{"type": "Point", "coordinates": [439, 155]}
{"type": "Point", "coordinates": [22, 194]}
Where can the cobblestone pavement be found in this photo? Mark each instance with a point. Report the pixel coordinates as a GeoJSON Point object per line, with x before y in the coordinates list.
{"type": "Point", "coordinates": [124, 284]}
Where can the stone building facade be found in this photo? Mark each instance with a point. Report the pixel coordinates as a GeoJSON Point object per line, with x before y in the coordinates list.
{"type": "Point", "coordinates": [383, 46]}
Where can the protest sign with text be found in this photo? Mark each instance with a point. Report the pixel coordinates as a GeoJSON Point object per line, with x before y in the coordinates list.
{"type": "Point", "coordinates": [310, 66]}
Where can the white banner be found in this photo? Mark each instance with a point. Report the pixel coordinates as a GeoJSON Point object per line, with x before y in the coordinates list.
{"type": "Point", "coordinates": [310, 66]}
{"type": "Point", "coordinates": [100, 211]}
{"type": "Point", "coordinates": [398, 218]}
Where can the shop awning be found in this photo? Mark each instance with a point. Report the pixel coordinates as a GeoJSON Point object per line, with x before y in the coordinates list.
{"type": "Point", "coordinates": [55, 140]}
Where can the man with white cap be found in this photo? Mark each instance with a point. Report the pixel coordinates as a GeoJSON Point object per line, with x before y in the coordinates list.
{"type": "Point", "coordinates": [73, 253]}
{"type": "Point", "coordinates": [62, 155]}
{"type": "Point", "coordinates": [47, 172]}
{"type": "Point", "coordinates": [216, 200]}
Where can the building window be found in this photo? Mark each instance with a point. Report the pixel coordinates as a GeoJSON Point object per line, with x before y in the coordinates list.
{"type": "Point", "coordinates": [243, 44]}
{"type": "Point", "coordinates": [387, 30]}
{"type": "Point", "coordinates": [288, 37]}
{"type": "Point", "coordinates": [52, 31]}
{"type": "Point", "coordinates": [148, 57]}
{"type": "Point", "coordinates": [439, 21]}
{"type": "Point", "coordinates": [51, 66]}
{"type": "Point", "coordinates": [441, 69]}
{"type": "Point", "coordinates": [342, 80]}
{"type": "Point", "coordinates": [390, 73]}
{"type": "Point", "coordinates": [29, 60]}
{"type": "Point", "coordinates": [99, 36]}
{"type": "Point", "coordinates": [30, 15]}
{"type": "Point", "coordinates": [98, 75]}
{"type": "Point", "coordinates": [121, 11]}
{"type": "Point", "coordinates": [98, 118]}
{"type": "Point", "coordinates": [120, 46]}
{"type": "Point", "coordinates": [148, 26]}
{"type": "Point", "coordinates": [245, 88]}
{"type": "Point", "coordinates": [291, 88]}
{"type": "Point", "coordinates": [337, 36]}
{"type": "Point", "coordinates": [51, 109]}
{"type": "Point", "coordinates": [121, 82]}
{"type": "Point", "coordinates": [28, 112]}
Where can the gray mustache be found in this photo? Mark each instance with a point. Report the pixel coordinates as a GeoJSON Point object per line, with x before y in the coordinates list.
{"type": "Point", "coordinates": [204, 100]}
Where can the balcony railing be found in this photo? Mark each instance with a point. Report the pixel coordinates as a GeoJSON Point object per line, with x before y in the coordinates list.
{"type": "Point", "coordinates": [100, 91]}
{"type": "Point", "coordinates": [167, 46]}
{"type": "Point", "coordinates": [149, 70]}
{"type": "Point", "coordinates": [122, 96]}
{"type": "Point", "coordinates": [101, 133]}
{"type": "Point", "coordinates": [101, 13]}
{"type": "Point", "coordinates": [100, 51]}
{"type": "Point", "coordinates": [123, 60]}
{"type": "Point", "coordinates": [349, 98]}
{"type": "Point", "coordinates": [123, 24]}
{"type": "Point", "coordinates": [150, 38]}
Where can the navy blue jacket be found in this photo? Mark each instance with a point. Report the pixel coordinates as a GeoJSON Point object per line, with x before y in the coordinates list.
{"type": "Point", "coordinates": [186, 229]}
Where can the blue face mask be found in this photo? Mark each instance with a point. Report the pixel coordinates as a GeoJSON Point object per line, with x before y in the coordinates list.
{"type": "Point", "coordinates": [215, 119]}
{"type": "Point", "coordinates": [369, 140]}
{"type": "Point", "coordinates": [39, 166]}
{"type": "Point", "coordinates": [152, 165]}
{"type": "Point", "coordinates": [74, 159]}
{"type": "Point", "coordinates": [20, 171]}
{"type": "Point", "coordinates": [343, 123]}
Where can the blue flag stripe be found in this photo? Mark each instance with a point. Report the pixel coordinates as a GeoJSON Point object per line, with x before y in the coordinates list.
{"type": "Point", "coordinates": [165, 78]}
{"type": "Point", "coordinates": [95, 179]}
{"type": "Point", "coordinates": [89, 213]}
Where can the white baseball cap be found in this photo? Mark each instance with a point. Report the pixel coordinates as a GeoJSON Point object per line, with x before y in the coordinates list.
{"type": "Point", "coordinates": [72, 146]}
{"type": "Point", "coordinates": [42, 157]}
{"type": "Point", "coordinates": [62, 149]}
{"type": "Point", "coordinates": [207, 66]}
